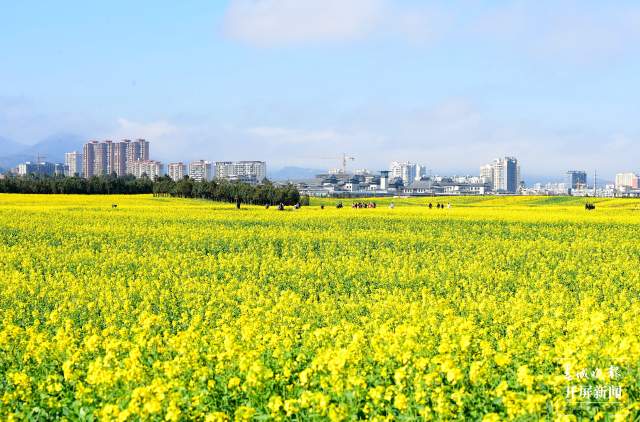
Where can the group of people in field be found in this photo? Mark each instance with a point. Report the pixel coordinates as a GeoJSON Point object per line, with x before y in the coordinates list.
{"type": "Point", "coordinates": [281, 206]}
{"type": "Point", "coordinates": [363, 205]}
{"type": "Point", "coordinates": [339, 205]}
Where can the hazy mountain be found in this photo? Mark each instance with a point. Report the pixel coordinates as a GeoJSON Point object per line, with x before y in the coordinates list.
{"type": "Point", "coordinates": [8, 147]}
{"type": "Point", "coordinates": [294, 173]}
{"type": "Point", "coordinates": [52, 148]}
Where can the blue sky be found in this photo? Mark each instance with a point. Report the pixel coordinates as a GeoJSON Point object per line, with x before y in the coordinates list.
{"type": "Point", "coordinates": [451, 84]}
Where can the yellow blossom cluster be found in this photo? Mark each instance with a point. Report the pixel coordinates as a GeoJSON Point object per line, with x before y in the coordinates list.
{"type": "Point", "coordinates": [172, 309]}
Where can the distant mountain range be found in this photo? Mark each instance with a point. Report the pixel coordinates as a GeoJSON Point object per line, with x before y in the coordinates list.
{"type": "Point", "coordinates": [52, 147]}
{"type": "Point", "coordinates": [294, 173]}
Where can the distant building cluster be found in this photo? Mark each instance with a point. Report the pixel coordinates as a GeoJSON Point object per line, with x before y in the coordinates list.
{"type": "Point", "coordinates": [120, 158]}
{"type": "Point", "coordinates": [627, 184]}
{"type": "Point", "coordinates": [202, 170]}
{"type": "Point", "coordinates": [502, 176]}
{"type": "Point", "coordinates": [41, 168]}
{"type": "Point", "coordinates": [405, 178]}
{"type": "Point", "coordinates": [129, 157]}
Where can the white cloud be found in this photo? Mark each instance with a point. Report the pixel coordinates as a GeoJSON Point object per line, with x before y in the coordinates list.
{"type": "Point", "coordinates": [131, 130]}
{"type": "Point", "coordinates": [269, 23]}
{"type": "Point", "coordinates": [276, 22]}
{"type": "Point", "coordinates": [559, 29]}
{"type": "Point", "coordinates": [562, 29]}
{"type": "Point", "coordinates": [165, 136]}
{"type": "Point", "coordinates": [285, 136]}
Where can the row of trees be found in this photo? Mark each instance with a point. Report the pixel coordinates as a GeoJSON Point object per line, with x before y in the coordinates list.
{"type": "Point", "coordinates": [227, 191]}
{"type": "Point", "coordinates": [111, 184]}
{"type": "Point", "coordinates": [216, 190]}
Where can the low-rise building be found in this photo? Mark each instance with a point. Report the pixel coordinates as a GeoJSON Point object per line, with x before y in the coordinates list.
{"type": "Point", "coordinates": [248, 171]}
{"type": "Point", "coordinates": [150, 168]}
{"type": "Point", "coordinates": [43, 168]}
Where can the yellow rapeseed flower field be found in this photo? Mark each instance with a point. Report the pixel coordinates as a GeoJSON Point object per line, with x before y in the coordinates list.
{"type": "Point", "coordinates": [169, 309]}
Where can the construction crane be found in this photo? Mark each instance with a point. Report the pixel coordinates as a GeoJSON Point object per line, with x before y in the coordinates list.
{"type": "Point", "coordinates": [344, 159]}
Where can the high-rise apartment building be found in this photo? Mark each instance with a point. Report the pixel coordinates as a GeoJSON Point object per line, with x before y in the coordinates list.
{"type": "Point", "coordinates": [576, 179]}
{"type": "Point", "coordinates": [406, 171]}
{"type": "Point", "coordinates": [150, 168]}
{"type": "Point", "coordinates": [103, 153]}
{"type": "Point", "coordinates": [176, 171]}
{"type": "Point", "coordinates": [627, 181]}
{"type": "Point", "coordinates": [201, 170]}
{"type": "Point", "coordinates": [246, 171]}
{"type": "Point", "coordinates": [486, 174]}
{"type": "Point", "coordinates": [223, 169]}
{"type": "Point", "coordinates": [88, 158]}
{"type": "Point", "coordinates": [504, 174]}
{"type": "Point", "coordinates": [103, 158]}
{"type": "Point", "coordinates": [119, 158]}
{"type": "Point", "coordinates": [137, 150]}
{"type": "Point", "coordinates": [421, 172]}
{"type": "Point", "coordinates": [73, 161]}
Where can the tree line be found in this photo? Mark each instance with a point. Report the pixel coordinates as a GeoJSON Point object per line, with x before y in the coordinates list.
{"type": "Point", "coordinates": [216, 190]}
{"type": "Point", "coordinates": [228, 191]}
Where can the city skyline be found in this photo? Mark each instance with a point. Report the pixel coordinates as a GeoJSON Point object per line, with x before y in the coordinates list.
{"type": "Point", "coordinates": [501, 176]}
{"type": "Point", "coordinates": [289, 83]}
{"type": "Point", "coordinates": [120, 153]}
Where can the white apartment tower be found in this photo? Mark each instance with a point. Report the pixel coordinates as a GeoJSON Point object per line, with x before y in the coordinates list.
{"type": "Point", "coordinates": [486, 174]}
{"type": "Point", "coordinates": [201, 170]}
{"type": "Point", "coordinates": [503, 173]}
{"type": "Point", "coordinates": [150, 168]}
{"type": "Point", "coordinates": [627, 181]}
{"type": "Point", "coordinates": [406, 171]}
{"type": "Point", "coordinates": [254, 171]}
{"type": "Point", "coordinates": [89, 158]}
{"type": "Point", "coordinates": [73, 163]}
{"type": "Point", "coordinates": [176, 171]}
{"type": "Point", "coordinates": [136, 151]}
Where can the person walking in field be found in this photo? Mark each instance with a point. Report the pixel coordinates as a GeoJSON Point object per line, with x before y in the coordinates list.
{"type": "Point", "coordinates": [392, 205]}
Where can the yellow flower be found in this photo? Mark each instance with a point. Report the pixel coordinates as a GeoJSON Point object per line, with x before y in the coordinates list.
{"type": "Point", "coordinates": [275, 404]}
{"type": "Point", "coordinates": [524, 377]}
{"type": "Point", "coordinates": [216, 417]}
{"type": "Point", "coordinates": [234, 382]}
{"type": "Point", "coordinates": [491, 417]}
{"type": "Point", "coordinates": [244, 413]}
{"type": "Point", "coordinates": [400, 402]}
{"type": "Point", "coordinates": [502, 359]}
